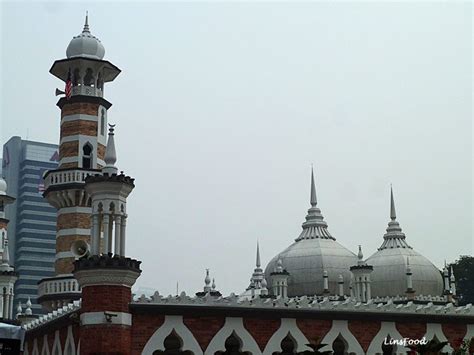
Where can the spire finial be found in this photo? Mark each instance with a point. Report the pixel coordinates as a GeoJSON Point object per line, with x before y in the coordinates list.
{"type": "Point", "coordinates": [393, 214]}
{"type": "Point", "coordinates": [313, 199]}
{"type": "Point", "coordinates": [110, 157]}
{"type": "Point", "coordinates": [86, 23]}
{"type": "Point", "coordinates": [258, 264]}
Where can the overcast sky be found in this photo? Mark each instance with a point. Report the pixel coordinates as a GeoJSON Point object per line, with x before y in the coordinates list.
{"type": "Point", "coordinates": [221, 108]}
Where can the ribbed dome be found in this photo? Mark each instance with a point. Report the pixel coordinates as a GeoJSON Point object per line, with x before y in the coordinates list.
{"type": "Point", "coordinates": [312, 253]}
{"type": "Point", "coordinates": [85, 45]}
{"type": "Point", "coordinates": [390, 265]}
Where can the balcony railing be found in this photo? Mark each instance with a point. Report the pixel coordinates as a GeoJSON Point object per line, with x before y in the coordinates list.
{"type": "Point", "coordinates": [58, 286]}
{"type": "Point", "coordinates": [69, 176]}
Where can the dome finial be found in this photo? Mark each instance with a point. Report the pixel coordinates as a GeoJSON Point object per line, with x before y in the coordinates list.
{"type": "Point", "coordinates": [110, 155]}
{"type": "Point", "coordinates": [313, 199]}
{"type": "Point", "coordinates": [393, 214]}
{"type": "Point", "coordinates": [360, 256]}
{"type": "Point", "coordinates": [86, 23]}
{"type": "Point", "coordinates": [258, 264]}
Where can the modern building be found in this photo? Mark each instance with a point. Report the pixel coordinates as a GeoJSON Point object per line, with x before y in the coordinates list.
{"type": "Point", "coordinates": [314, 294]}
{"type": "Point", "coordinates": [32, 226]}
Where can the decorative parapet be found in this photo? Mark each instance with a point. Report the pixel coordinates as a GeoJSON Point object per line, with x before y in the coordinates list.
{"type": "Point", "coordinates": [332, 303]}
{"type": "Point", "coordinates": [67, 176]}
{"type": "Point", "coordinates": [54, 315]}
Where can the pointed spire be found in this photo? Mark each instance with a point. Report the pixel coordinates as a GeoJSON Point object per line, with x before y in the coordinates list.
{"type": "Point", "coordinates": [393, 214]}
{"type": "Point", "coordinates": [86, 24]}
{"type": "Point", "coordinates": [258, 264]}
{"type": "Point", "coordinates": [19, 310]}
{"type": "Point", "coordinates": [360, 256]}
{"type": "Point", "coordinates": [213, 284]}
{"type": "Point", "coordinates": [110, 154]}
{"type": "Point", "coordinates": [451, 278]}
{"type": "Point", "coordinates": [313, 199]}
{"type": "Point", "coordinates": [314, 226]}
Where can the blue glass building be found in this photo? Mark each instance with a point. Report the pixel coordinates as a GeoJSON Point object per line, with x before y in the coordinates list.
{"type": "Point", "coordinates": [32, 227]}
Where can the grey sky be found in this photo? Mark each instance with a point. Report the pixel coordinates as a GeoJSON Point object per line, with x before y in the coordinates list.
{"type": "Point", "coordinates": [222, 107]}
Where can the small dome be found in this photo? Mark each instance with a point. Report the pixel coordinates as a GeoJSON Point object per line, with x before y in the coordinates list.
{"type": "Point", "coordinates": [85, 45]}
{"type": "Point", "coordinates": [390, 265]}
{"type": "Point", "coordinates": [3, 187]}
{"type": "Point", "coordinates": [314, 252]}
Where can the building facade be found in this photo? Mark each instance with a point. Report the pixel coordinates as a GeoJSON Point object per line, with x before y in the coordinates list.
{"type": "Point", "coordinates": [314, 293]}
{"type": "Point", "coordinates": [32, 227]}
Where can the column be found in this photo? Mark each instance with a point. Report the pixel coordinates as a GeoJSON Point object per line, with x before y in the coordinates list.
{"type": "Point", "coordinates": [122, 235]}
{"type": "Point", "coordinates": [369, 293]}
{"type": "Point", "coordinates": [105, 225]}
{"type": "Point", "coordinates": [118, 229]}
{"type": "Point", "coordinates": [110, 238]}
{"type": "Point", "coordinates": [11, 305]}
{"type": "Point", "coordinates": [95, 233]}
{"type": "Point", "coordinates": [1, 307]}
{"type": "Point", "coordinates": [363, 292]}
{"type": "Point", "coordinates": [6, 309]}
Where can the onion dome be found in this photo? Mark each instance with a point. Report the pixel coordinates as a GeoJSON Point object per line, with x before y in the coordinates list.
{"type": "Point", "coordinates": [390, 264]}
{"type": "Point", "coordinates": [313, 252]}
{"type": "Point", "coordinates": [85, 45]}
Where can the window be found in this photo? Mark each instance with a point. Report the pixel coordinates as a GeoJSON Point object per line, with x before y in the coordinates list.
{"type": "Point", "coordinates": [87, 156]}
{"type": "Point", "coordinates": [89, 77]}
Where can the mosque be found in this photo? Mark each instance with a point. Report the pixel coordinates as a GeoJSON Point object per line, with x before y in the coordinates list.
{"type": "Point", "coordinates": [315, 291]}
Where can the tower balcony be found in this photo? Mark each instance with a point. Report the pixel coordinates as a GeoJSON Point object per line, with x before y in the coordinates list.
{"type": "Point", "coordinates": [57, 178]}
{"type": "Point", "coordinates": [87, 91]}
{"type": "Point", "coordinates": [56, 292]}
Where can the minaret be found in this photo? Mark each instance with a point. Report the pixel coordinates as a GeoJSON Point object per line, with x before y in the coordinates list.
{"type": "Point", "coordinates": [280, 280]}
{"type": "Point", "coordinates": [258, 274]}
{"type": "Point", "coordinates": [208, 288]}
{"type": "Point", "coordinates": [452, 282]}
{"type": "Point", "coordinates": [8, 276]}
{"type": "Point", "coordinates": [361, 273]}
{"type": "Point", "coordinates": [410, 292]}
{"type": "Point", "coordinates": [325, 283]}
{"type": "Point", "coordinates": [340, 283]}
{"type": "Point", "coordinates": [82, 145]}
{"type": "Point", "coordinates": [106, 275]}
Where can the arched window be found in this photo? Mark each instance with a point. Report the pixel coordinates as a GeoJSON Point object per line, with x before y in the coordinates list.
{"type": "Point", "coordinates": [76, 78]}
{"type": "Point", "coordinates": [102, 122]}
{"type": "Point", "coordinates": [339, 346]}
{"type": "Point", "coordinates": [288, 346]}
{"type": "Point", "coordinates": [173, 346]}
{"type": "Point", "coordinates": [233, 346]}
{"type": "Point", "coordinates": [387, 348]}
{"type": "Point", "coordinates": [87, 156]}
{"type": "Point", "coordinates": [89, 77]}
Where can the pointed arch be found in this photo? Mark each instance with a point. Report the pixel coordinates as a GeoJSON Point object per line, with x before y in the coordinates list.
{"type": "Point", "coordinates": [288, 326]}
{"type": "Point", "coordinates": [435, 330]}
{"type": "Point", "coordinates": [35, 350]}
{"type": "Point", "coordinates": [57, 345]}
{"type": "Point", "coordinates": [45, 348]}
{"type": "Point", "coordinates": [172, 323]}
{"type": "Point", "coordinates": [233, 325]}
{"type": "Point", "coordinates": [387, 329]}
{"type": "Point", "coordinates": [340, 328]}
{"type": "Point", "coordinates": [69, 346]}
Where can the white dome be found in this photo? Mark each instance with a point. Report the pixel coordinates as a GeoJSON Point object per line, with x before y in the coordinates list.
{"type": "Point", "coordinates": [85, 45]}
{"type": "Point", "coordinates": [313, 252]}
{"type": "Point", "coordinates": [389, 275]}
{"type": "Point", "coordinates": [390, 265]}
{"type": "Point", "coordinates": [3, 187]}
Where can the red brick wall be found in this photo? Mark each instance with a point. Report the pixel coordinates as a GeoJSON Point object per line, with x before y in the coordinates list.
{"type": "Point", "coordinates": [364, 331]}
{"type": "Point", "coordinates": [262, 329]}
{"type": "Point", "coordinates": [106, 339]}
{"type": "Point", "coordinates": [455, 333]}
{"type": "Point", "coordinates": [106, 298]}
{"type": "Point", "coordinates": [411, 330]}
{"type": "Point", "coordinates": [204, 328]}
{"type": "Point", "coordinates": [314, 329]}
{"type": "Point", "coordinates": [144, 326]}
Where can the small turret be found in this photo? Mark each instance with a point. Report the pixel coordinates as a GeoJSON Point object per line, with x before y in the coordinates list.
{"type": "Point", "coordinates": [280, 280]}
{"type": "Point", "coordinates": [361, 273]}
